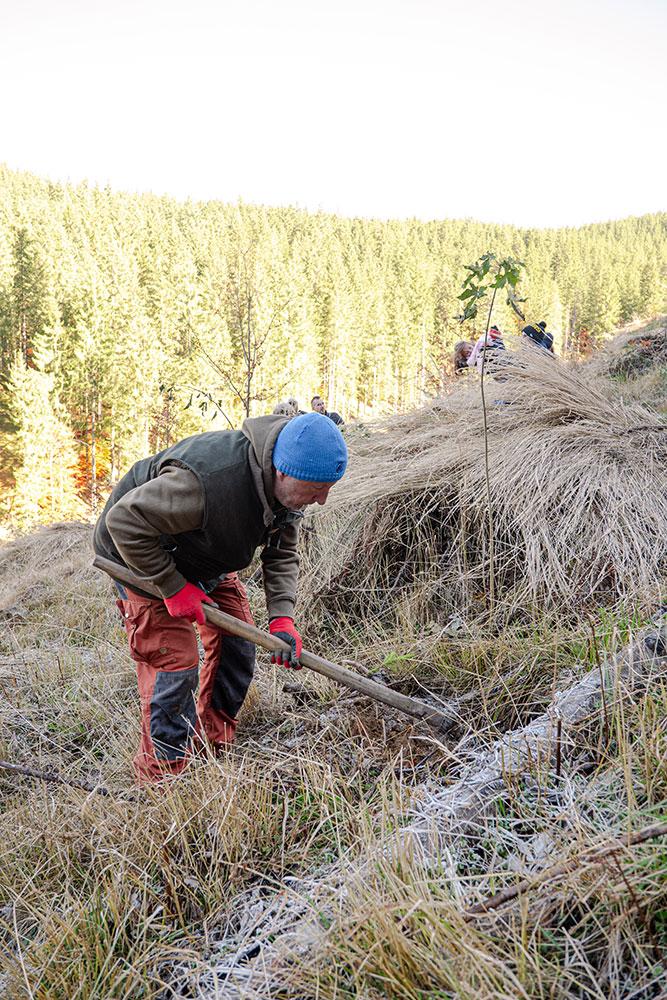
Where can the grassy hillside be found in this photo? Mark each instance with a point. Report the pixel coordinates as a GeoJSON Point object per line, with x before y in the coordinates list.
{"type": "Point", "coordinates": [338, 850]}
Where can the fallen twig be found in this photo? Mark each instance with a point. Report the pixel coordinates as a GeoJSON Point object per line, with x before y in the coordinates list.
{"type": "Point", "coordinates": [593, 856]}
{"type": "Point", "coordinates": [33, 772]}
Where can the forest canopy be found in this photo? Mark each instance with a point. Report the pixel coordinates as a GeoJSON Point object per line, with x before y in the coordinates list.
{"type": "Point", "coordinates": [128, 321]}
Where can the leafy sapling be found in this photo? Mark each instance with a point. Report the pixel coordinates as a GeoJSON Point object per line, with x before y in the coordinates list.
{"type": "Point", "coordinates": [489, 274]}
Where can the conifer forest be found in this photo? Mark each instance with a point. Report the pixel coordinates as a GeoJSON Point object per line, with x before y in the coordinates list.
{"type": "Point", "coordinates": [128, 321]}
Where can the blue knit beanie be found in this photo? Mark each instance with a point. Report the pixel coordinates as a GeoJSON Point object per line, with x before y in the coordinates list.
{"type": "Point", "coordinates": [310, 447]}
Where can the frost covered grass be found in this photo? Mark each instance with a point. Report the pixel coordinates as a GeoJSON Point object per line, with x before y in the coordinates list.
{"type": "Point", "coordinates": [267, 872]}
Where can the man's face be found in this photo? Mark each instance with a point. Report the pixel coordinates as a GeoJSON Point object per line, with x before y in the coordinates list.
{"type": "Point", "coordinates": [318, 405]}
{"type": "Point", "coordinates": [295, 494]}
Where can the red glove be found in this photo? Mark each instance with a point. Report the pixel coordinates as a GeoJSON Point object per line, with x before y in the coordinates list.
{"type": "Point", "coordinates": [187, 603]}
{"type": "Point", "coordinates": [284, 629]}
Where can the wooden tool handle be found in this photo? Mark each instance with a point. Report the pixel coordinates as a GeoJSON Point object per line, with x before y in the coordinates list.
{"type": "Point", "coordinates": [379, 692]}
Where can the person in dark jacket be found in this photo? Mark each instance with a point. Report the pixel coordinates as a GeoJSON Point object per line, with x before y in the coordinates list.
{"type": "Point", "coordinates": [318, 406]}
{"type": "Point", "coordinates": [539, 335]}
{"type": "Point", "coordinates": [186, 520]}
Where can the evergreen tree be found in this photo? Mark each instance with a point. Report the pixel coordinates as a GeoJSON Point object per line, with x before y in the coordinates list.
{"type": "Point", "coordinates": [40, 449]}
{"type": "Point", "coordinates": [108, 297]}
{"type": "Point", "coordinates": [28, 306]}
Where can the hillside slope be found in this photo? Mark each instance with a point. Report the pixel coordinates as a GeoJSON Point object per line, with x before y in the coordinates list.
{"type": "Point", "coordinates": [337, 850]}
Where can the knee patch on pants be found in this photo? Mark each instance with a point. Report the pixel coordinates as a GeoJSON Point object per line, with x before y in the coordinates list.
{"type": "Point", "coordinates": [234, 674]}
{"type": "Point", "coordinates": [172, 712]}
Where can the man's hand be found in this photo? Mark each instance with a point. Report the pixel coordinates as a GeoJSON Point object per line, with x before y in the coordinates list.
{"type": "Point", "coordinates": [284, 629]}
{"type": "Point", "coordinates": [187, 603]}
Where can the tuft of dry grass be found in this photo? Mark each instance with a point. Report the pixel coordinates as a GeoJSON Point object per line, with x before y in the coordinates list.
{"type": "Point", "coordinates": [394, 924]}
{"type": "Point", "coordinates": [401, 934]}
{"type": "Point", "coordinates": [99, 896]}
{"type": "Point", "coordinates": [637, 362]}
{"type": "Point", "coordinates": [634, 352]}
{"type": "Point", "coordinates": [579, 495]}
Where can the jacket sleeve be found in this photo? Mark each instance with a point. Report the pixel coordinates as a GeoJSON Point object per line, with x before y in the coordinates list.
{"type": "Point", "coordinates": [474, 354]}
{"type": "Point", "coordinates": [171, 503]}
{"type": "Point", "coordinates": [281, 569]}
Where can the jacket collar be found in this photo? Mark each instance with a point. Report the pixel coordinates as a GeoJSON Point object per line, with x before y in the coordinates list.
{"type": "Point", "coordinates": [262, 433]}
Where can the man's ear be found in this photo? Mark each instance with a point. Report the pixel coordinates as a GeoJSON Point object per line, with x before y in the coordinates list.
{"type": "Point", "coordinates": [278, 478]}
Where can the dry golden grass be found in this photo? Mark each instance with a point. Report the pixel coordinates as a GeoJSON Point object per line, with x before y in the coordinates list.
{"type": "Point", "coordinates": [637, 361]}
{"type": "Point", "coordinates": [579, 500]}
{"type": "Point", "coordinates": [634, 352]}
{"type": "Point", "coordinates": [285, 868]}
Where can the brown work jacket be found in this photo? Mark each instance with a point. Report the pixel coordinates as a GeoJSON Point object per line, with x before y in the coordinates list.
{"type": "Point", "coordinates": [200, 509]}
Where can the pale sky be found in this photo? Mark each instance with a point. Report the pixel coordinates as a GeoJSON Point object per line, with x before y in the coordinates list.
{"type": "Point", "coordinates": [535, 112]}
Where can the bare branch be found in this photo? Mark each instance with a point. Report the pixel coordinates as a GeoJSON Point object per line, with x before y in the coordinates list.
{"type": "Point", "coordinates": [33, 772]}
{"type": "Point", "coordinates": [594, 856]}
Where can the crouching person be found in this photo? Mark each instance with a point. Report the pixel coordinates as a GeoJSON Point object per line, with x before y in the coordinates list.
{"type": "Point", "coordinates": [187, 519]}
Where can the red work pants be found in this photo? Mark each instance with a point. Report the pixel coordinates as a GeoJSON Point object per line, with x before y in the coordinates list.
{"type": "Point", "coordinates": [173, 724]}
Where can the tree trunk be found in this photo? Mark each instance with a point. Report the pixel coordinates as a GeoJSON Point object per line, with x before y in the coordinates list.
{"type": "Point", "coordinates": [113, 472]}
{"type": "Point", "coordinates": [460, 807]}
{"type": "Point", "coordinates": [93, 456]}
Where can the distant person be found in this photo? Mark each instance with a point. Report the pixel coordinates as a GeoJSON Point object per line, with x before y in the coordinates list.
{"type": "Point", "coordinates": [540, 336]}
{"type": "Point", "coordinates": [494, 344]}
{"type": "Point", "coordinates": [548, 337]}
{"type": "Point", "coordinates": [462, 351]}
{"type": "Point", "coordinates": [317, 404]}
{"type": "Point", "coordinates": [283, 410]}
{"type": "Point", "coordinates": [294, 403]}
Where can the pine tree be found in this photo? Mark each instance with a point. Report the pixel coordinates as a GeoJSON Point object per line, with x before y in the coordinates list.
{"type": "Point", "coordinates": [41, 450]}
{"type": "Point", "coordinates": [29, 307]}
{"type": "Point", "coordinates": [110, 297]}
